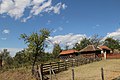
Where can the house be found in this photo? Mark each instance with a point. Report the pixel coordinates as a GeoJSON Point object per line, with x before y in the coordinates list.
{"type": "Point", "coordinates": [105, 49]}
{"type": "Point", "coordinates": [67, 54]}
{"type": "Point", "coordinates": [90, 51]}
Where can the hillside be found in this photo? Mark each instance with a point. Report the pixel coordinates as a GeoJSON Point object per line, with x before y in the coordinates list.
{"type": "Point", "coordinates": [92, 71]}
{"type": "Point", "coordinates": [16, 74]}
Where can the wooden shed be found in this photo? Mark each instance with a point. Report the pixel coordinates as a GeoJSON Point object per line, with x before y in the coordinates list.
{"type": "Point", "coordinates": [90, 51]}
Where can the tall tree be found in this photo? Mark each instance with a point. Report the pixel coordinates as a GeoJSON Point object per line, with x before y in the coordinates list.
{"type": "Point", "coordinates": [112, 43]}
{"type": "Point", "coordinates": [95, 40]}
{"type": "Point", "coordinates": [56, 50]}
{"type": "Point", "coordinates": [36, 42]}
{"type": "Point", "coordinates": [21, 57]}
{"type": "Point", "coordinates": [4, 57]}
{"type": "Point", "coordinates": [83, 43]}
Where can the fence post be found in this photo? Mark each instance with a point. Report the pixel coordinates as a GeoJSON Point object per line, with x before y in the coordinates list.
{"type": "Point", "coordinates": [73, 69]}
{"type": "Point", "coordinates": [65, 65]}
{"type": "Point", "coordinates": [41, 71]}
{"type": "Point", "coordinates": [77, 62]}
{"type": "Point", "coordinates": [50, 71]}
{"type": "Point", "coordinates": [102, 74]}
{"type": "Point", "coordinates": [58, 66]}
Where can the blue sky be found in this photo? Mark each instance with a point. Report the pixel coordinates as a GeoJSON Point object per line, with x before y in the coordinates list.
{"type": "Point", "coordinates": [71, 19]}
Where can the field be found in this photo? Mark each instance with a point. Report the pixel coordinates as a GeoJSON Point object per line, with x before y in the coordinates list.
{"type": "Point", "coordinates": [92, 71]}
{"type": "Point", "coordinates": [17, 74]}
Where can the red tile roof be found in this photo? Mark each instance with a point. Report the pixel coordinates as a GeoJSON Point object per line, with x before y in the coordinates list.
{"type": "Point", "coordinates": [68, 52]}
{"type": "Point", "coordinates": [104, 47]}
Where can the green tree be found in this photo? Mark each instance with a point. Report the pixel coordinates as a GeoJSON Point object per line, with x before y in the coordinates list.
{"type": "Point", "coordinates": [36, 43]}
{"type": "Point", "coordinates": [83, 43]}
{"type": "Point", "coordinates": [56, 50]}
{"type": "Point", "coordinates": [20, 58]}
{"type": "Point", "coordinates": [94, 40]}
{"type": "Point", "coordinates": [5, 58]}
{"type": "Point", "coordinates": [112, 43]}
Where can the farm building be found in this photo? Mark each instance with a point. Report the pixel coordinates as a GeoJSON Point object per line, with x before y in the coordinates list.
{"type": "Point", "coordinates": [90, 51]}
{"type": "Point", "coordinates": [105, 49]}
{"type": "Point", "coordinates": [66, 54]}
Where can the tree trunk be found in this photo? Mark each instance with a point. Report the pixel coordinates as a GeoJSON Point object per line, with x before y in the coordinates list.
{"type": "Point", "coordinates": [1, 61]}
{"type": "Point", "coordinates": [36, 53]}
{"type": "Point", "coordinates": [34, 64]}
{"type": "Point", "coordinates": [0, 64]}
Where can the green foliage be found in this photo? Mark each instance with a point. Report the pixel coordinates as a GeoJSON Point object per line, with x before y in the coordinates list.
{"type": "Point", "coordinates": [112, 43]}
{"type": "Point", "coordinates": [36, 40]}
{"type": "Point", "coordinates": [56, 50]}
{"type": "Point", "coordinates": [21, 58]}
{"type": "Point", "coordinates": [25, 58]}
{"type": "Point", "coordinates": [94, 40]}
{"type": "Point", "coordinates": [83, 43]}
{"type": "Point", "coordinates": [36, 43]}
{"type": "Point", "coordinates": [6, 59]}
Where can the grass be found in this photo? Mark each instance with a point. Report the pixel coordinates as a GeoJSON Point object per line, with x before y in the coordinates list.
{"type": "Point", "coordinates": [92, 71]}
{"type": "Point", "coordinates": [17, 74]}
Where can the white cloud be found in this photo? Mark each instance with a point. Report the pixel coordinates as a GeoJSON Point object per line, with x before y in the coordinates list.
{"type": "Point", "coordinates": [97, 25]}
{"type": "Point", "coordinates": [14, 8]}
{"type": "Point", "coordinates": [69, 39]}
{"type": "Point", "coordinates": [115, 35]}
{"type": "Point", "coordinates": [25, 19]}
{"type": "Point", "coordinates": [64, 6]}
{"type": "Point", "coordinates": [56, 8]}
{"type": "Point", "coordinates": [38, 9]}
{"type": "Point", "coordinates": [17, 8]}
{"type": "Point", "coordinates": [6, 6]}
{"type": "Point", "coordinates": [3, 38]}
{"type": "Point", "coordinates": [12, 50]}
{"type": "Point", "coordinates": [60, 28]}
{"type": "Point", "coordinates": [6, 31]}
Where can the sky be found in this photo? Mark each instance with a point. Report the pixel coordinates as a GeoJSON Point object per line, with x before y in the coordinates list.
{"type": "Point", "coordinates": [69, 20]}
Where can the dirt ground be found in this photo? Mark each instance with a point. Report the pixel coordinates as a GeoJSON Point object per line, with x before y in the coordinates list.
{"type": "Point", "coordinates": [92, 71]}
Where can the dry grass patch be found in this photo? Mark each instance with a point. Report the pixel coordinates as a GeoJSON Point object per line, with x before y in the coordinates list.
{"type": "Point", "coordinates": [92, 71]}
{"type": "Point", "coordinates": [17, 74]}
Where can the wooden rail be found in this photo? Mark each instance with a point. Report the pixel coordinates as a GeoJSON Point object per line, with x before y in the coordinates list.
{"type": "Point", "coordinates": [46, 68]}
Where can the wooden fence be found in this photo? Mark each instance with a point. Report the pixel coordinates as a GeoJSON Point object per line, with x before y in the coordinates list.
{"type": "Point", "coordinates": [55, 67]}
